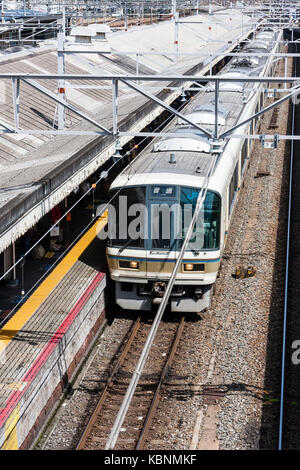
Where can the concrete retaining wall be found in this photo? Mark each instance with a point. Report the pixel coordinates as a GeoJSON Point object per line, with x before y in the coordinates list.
{"type": "Point", "coordinates": [31, 404]}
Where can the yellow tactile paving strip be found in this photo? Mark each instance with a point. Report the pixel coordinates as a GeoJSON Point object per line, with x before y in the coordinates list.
{"type": "Point", "coordinates": [38, 327]}
{"type": "Point", "coordinates": [25, 312]}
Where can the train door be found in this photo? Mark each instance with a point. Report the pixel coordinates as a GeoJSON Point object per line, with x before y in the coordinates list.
{"type": "Point", "coordinates": [163, 226]}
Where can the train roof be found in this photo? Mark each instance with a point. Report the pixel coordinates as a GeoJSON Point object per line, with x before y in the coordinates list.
{"type": "Point", "coordinates": [185, 163]}
{"type": "Point", "coordinates": [190, 147]}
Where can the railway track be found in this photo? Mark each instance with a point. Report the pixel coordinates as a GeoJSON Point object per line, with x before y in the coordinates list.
{"type": "Point", "coordinates": [289, 432]}
{"type": "Point", "coordinates": [145, 400]}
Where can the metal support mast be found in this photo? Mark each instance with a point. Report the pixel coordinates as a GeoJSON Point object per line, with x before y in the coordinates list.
{"type": "Point", "coordinates": [173, 9]}
{"type": "Point", "coordinates": [175, 17]}
{"type": "Point", "coordinates": [61, 70]}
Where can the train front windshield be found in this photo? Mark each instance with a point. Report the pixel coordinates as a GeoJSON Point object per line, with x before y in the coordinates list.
{"type": "Point", "coordinates": [156, 217]}
{"type": "Point", "coordinates": [206, 232]}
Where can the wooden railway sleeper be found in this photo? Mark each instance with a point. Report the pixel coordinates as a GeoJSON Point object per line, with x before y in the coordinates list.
{"type": "Point", "coordinates": [120, 361]}
{"type": "Point", "coordinates": [153, 406]}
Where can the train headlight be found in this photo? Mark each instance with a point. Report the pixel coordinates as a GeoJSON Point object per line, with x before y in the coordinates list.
{"type": "Point", "coordinates": [134, 264]}
{"type": "Point", "coordinates": [193, 267]}
{"type": "Point", "coordinates": [188, 267]}
{"type": "Point", "coordinates": [126, 264]}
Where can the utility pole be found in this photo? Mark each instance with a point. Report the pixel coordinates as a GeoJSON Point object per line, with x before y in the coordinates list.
{"type": "Point", "coordinates": [61, 70]}
{"type": "Point", "coordinates": [125, 18]}
{"type": "Point", "coordinates": [173, 9]}
{"type": "Point", "coordinates": [176, 39]}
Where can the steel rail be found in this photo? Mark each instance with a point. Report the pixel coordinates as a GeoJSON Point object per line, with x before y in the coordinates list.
{"type": "Point", "coordinates": [87, 430]}
{"type": "Point", "coordinates": [228, 137]}
{"type": "Point", "coordinates": [282, 387]}
{"type": "Point", "coordinates": [154, 403]}
{"type": "Point", "coordinates": [170, 88]}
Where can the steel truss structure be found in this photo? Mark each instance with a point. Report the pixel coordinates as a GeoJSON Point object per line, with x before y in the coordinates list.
{"type": "Point", "coordinates": [191, 83]}
{"type": "Point", "coordinates": [130, 81]}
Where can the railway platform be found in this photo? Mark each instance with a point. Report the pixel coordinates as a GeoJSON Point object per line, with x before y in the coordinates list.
{"type": "Point", "coordinates": [42, 344]}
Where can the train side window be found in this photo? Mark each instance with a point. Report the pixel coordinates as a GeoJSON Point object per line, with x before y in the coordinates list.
{"type": "Point", "coordinates": [261, 100]}
{"type": "Point", "coordinates": [244, 155]}
{"type": "Point", "coordinates": [233, 188]}
{"type": "Point", "coordinates": [256, 118]}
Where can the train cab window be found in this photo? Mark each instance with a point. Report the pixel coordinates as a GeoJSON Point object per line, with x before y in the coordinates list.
{"type": "Point", "coordinates": [206, 233]}
{"type": "Point", "coordinates": [162, 223]}
{"type": "Point", "coordinates": [162, 200]}
{"type": "Point", "coordinates": [121, 234]}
